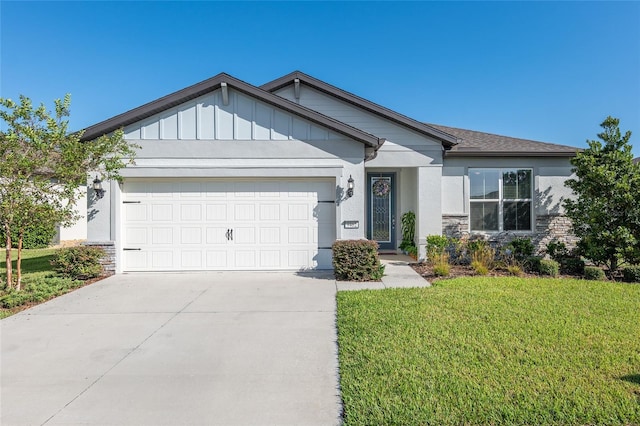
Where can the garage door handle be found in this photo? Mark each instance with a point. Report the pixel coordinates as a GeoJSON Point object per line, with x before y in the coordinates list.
{"type": "Point", "coordinates": [131, 249]}
{"type": "Point", "coordinates": [227, 234]}
{"type": "Point", "coordinates": [231, 234]}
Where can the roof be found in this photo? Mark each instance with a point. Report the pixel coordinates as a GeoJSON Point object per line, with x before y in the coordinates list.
{"type": "Point", "coordinates": [480, 144]}
{"type": "Point", "coordinates": [444, 137]}
{"type": "Point", "coordinates": [636, 160]}
{"type": "Point", "coordinates": [214, 83]}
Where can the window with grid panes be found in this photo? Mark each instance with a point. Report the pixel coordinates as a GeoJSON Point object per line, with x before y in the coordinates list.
{"type": "Point", "coordinates": [501, 199]}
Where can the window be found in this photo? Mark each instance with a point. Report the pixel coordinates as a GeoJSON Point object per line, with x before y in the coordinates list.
{"type": "Point", "coordinates": [500, 199]}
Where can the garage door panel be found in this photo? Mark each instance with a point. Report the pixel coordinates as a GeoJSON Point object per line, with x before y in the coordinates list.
{"type": "Point", "coordinates": [270, 259]}
{"type": "Point", "coordinates": [244, 235]}
{"type": "Point", "coordinates": [161, 236]}
{"type": "Point", "coordinates": [217, 259]}
{"type": "Point", "coordinates": [186, 225]}
{"type": "Point", "coordinates": [244, 212]}
{"type": "Point", "coordinates": [136, 212]}
{"type": "Point", "coordinates": [191, 259]}
{"type": "Point", "coordinates": [162, 213]}
{"type": "Point", "coordinates": [135, 236]}
{"type": "Point", "coordinates": [298, 212]}
{"type": "Point", "coordinates": [190, 212]}
{"type": "Point", "coordinates": [245, 258]}
{"type": "Point", "coordinates": [134, 260]}
{"type": "Point", "coordinates": [269, 235]}
{"type": "Point", "coordinates": [216, 236]}
{"type": "Point", "coordinates": [216, 212]}
{"type": "Point", "coordinates": [191, 235]}
{"type": "Point", "coordinates": [162, 259]}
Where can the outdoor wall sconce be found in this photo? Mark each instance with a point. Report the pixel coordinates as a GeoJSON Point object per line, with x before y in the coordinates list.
{"type": "Point", "coordinates": [97, 187]}
{"type": "Point", "coordinates": [350, 187]}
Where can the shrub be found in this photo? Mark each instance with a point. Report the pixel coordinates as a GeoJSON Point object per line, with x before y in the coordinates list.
{"type": "Point", "coordinates": [436, 245]}
{"type": "Point", "coordinates": [36, 235]}
{"type": "Point", "coordinates": [594, 273]}
{"type": "Point", "coordinates": [521, 248]}
{"type": "Point", "coordinates": [514, 270]}
{"type": "Point", "coordinates": [80, 263]}
{"type": "Point", "coordinates": [482, 254]}
{"type": "Point", "coordinates": [532, 264]}
{"type": "Point", "coordinates": [356, 260]}
{"type": "Point", "coordinates": [479, 268]}
{"type": "Point", "coordinates": [569, 260]}
{"type": "Point", "coordinates": [631, 274]}
{"type": "Point", "coordinates": [549, 267]}
{"type": "Point", "coordinates": [441, 265]}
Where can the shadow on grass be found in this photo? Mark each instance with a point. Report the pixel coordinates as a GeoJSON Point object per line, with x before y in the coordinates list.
{"type": "Point", "coordinates": [633, 378]}
{"type": "Point", "coordinates": [33, 264]}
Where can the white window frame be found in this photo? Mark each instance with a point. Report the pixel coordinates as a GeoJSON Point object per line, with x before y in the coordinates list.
{"type": "Point", "coordinates": [500, 200]}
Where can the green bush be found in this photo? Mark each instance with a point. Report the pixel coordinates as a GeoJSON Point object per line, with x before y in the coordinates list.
{"type": "Point", "coordinates": [570, 262]}
{"type": "Point", "coordinates": [594, 273]}
{"type": "Point", "coordinates": [81, 263]}
{"type": "Point", "coordinates": [356, 260]}
{"type": "Point", "coordinates": [521, 248]}
{"type": "Point", "coordinates": [36, 235]}
{"type": "Point", "coordinates": [436, 245]}
{"type": "Point", "coordinates": [532, 264]}
{"type": "Point", "coordinates": [549, 267]}
{"type": "Point", "coordinates": [631, 274]}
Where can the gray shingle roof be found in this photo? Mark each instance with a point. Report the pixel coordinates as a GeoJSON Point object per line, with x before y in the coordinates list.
{"type": "Point", "coordinates": [474, 143]}
{"type": "Point", "coordinates": [636, 160]}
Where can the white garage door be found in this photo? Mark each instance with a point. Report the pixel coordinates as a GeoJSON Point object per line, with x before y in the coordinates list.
{"type": "Point", "coordinates": [262, 224]}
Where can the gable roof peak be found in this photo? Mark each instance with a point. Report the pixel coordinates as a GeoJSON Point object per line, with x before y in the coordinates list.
{"type": "Point", "coordinates": [445, 138]}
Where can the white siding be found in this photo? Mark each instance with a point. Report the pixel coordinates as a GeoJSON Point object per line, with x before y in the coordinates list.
{"type": "Point", "coordinates": [244, 118]}
{"type": "Point", "coordinates": [403, 147]}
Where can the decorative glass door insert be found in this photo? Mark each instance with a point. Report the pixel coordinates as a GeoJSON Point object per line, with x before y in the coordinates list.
{"type": "Point", "coordinates": [381, 207]}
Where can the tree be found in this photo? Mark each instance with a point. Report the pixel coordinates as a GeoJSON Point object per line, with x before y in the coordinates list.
{"type": "Point", "coordinates": [606, 210]}
{"type": "Point", "coordinates": [42, 165]}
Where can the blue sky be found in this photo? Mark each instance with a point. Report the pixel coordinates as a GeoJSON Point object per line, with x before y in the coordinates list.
{"type": "Point", "coordinates": [548, 71]}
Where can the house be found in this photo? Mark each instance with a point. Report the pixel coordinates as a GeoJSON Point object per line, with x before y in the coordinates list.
{"type": "Point", "coordinates": [233, 176]}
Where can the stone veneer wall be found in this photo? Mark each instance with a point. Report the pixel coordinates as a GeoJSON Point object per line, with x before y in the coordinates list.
{"type": "Point", "coordinates": [547, 228]}
{"type": "Point", "coordinates": [109, 260]}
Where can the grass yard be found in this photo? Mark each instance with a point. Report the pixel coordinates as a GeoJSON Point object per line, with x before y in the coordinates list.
{"type": "Point", "coordinates": [38, 281]}
{"type": "Point", "coordinates": [491, 351]}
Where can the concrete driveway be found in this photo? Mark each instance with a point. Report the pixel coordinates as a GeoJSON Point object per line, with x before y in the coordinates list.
{"type": "Point", "coordinates": [176, 349]}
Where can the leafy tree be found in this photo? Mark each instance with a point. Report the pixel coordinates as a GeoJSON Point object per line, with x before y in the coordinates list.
{"type": "Point", "coordinates": [606, 210]}
{"type": "Point", "coordinates": [42, 165]}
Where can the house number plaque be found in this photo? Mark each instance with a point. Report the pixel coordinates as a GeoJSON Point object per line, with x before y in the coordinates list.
{"type": "Point", "coordinates": [351, 224]}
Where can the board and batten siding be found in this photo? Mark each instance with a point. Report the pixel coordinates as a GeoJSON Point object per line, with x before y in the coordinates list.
{"type": "Point", "coordinates": [243, 118]}
{"type": "Point", "coordinates": [402, 148]}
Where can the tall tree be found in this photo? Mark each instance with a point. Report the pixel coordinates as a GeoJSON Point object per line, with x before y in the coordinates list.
{"type": "Point", "coordinates": [606, 210]}
{"type": "Point", "coordinates": [43, 165]}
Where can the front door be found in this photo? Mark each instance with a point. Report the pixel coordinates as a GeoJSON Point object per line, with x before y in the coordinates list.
{"type": "Point", "coordinates": [381, 209]}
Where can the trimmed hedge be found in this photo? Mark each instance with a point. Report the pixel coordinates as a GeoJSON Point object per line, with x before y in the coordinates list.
{"type": "Point", "coordinates": [78, 263]}
{"type": "Point", "coordinates": [594, 273]}
{"type": "Point", "coordinates": [631, 274]}
{"type": "Point", "coordinates": [549, 267]}
{"type": "Point", "coordinates": [356, 260]}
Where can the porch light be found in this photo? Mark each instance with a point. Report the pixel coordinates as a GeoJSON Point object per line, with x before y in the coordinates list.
{"type": "Point", "coordinates": [350, 187]}
{"type": "Point", "coordinates": [97, 187]}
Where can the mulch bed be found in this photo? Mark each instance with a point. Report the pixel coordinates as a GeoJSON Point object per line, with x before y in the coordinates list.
{"type": "Point", "coordinates": [426, 271]}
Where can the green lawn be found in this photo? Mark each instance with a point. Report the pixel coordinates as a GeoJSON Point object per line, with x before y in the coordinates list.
{"type": "Point", "coordinates": [39, 281]}
{"type": "Point", "coordinates": [491, 351]}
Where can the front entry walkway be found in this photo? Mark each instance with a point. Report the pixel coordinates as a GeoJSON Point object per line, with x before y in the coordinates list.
{"type": "Point", "coordinates": [168, 349]}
